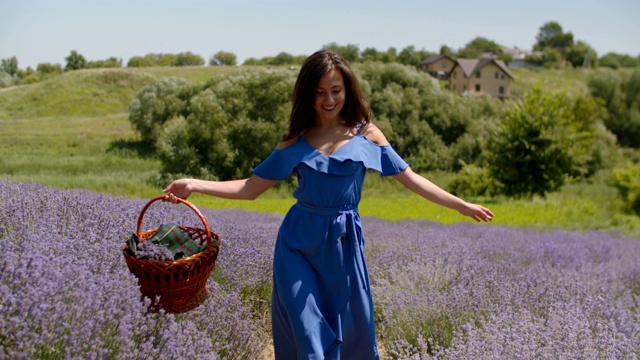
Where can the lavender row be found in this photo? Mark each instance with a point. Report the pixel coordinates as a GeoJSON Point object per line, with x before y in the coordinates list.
{"type": "Point", "coordinates": [485, 292]}
{"type": "Point", "coordinates": [440, 292]}
{"type": "Point", "coordinates": [67, 292]}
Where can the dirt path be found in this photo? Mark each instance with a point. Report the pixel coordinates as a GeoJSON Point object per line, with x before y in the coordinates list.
{"type": "Point", "coordinates": [268, 352]}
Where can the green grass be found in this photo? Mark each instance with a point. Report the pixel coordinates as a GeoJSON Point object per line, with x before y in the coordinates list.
{"type": "Point", "coordinates": [72, 131]}
{"type": "Point", "coordinates": [88, 93]}
{"type": "Point", "coordinates": [571, 81]}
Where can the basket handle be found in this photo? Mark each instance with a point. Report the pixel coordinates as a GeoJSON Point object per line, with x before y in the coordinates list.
{"type": "Point", "coordinates": [183, 201]}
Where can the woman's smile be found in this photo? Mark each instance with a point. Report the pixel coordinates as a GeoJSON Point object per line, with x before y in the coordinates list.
{"type": "Point", "coordinates": [330, 95]}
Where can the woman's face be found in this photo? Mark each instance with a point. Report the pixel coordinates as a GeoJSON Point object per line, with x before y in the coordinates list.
{"type": "Point", "coordinates": [330, 96]}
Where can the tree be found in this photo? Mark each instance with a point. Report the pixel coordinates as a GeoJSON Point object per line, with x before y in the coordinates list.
{"type": "Point", "coordinates": [48, 68]}
{"type": "Point", "coordinates": [188, 59]}
{"type": "Point", "coordinates": [223, 58]}
{"type": "Point", "coordinates": [251, 61]}
{"type": "Point", "coordinates": [369, 54]}
{"type": "Point", "coordinates": [10, 66]}
{"type": "Point", "coordinates": [552, 36]}
{"type": "Point", "coordinates": [75, 61]}
{"type": "Point", "coordinates": [389, 56]}
{"type": "Point", "coordinates": [350, 52]}
{"type": "Point", "coordinates": [140, 61]}
{"type": "Point", "coordinates": [621, 97]}
{"type": "Point", "coordinates": [410, 56]}
{"type": "Point", "coordinates": [627, 181]}
{"type": "Point", "coordinates": [6, 80]}
{"type": "Point", "coordinates": [614, 61]}
{"type": "Point", "coordinates": [228, 127]}
{"type": "Point", "coordinates": [445, 50]}
{"type": "Point", "coordinates": [156, 104]}
{"type": "Point", "coordinates": [549, 58]}
{"type": "Point", "coordinates": [577, 55]}
{"type": "Point", "coordinates": [542, 141]}
{"type": "Point", "coordinates": [111, 62]}
{"type": "Point", "coordinates": [479, 46]}
{"type": "Point", "coordinates": [283, 58]}
{"type": "Point", "coordinates": [181, 59]}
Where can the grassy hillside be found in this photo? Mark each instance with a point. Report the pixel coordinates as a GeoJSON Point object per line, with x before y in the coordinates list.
{"type": "Point", "coordinates": [90, 93]}
{"type": "Point", "coordinates": [72, 131]}
{"type": "Point", "coordinates": [572, 81]}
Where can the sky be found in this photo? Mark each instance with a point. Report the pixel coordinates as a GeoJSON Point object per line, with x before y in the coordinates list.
{"type": "Point", "coordinates": [46, 31]}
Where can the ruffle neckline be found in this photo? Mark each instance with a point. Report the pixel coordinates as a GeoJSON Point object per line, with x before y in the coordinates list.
{"type": "Point", "coordinates": [358, 149]}
{"type": "Point", "coordinates": [343, 161]}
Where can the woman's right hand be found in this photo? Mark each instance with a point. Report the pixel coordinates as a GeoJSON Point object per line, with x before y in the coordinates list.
{"type": "Point", "coordinates": [178, 189]}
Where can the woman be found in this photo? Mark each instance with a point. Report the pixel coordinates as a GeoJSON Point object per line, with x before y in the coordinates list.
{"type": "Point", "coordinates": [322, 306]}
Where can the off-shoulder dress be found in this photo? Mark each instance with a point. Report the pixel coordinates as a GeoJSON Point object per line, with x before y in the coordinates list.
{"type": "Point", "coordinates": [321, 305]}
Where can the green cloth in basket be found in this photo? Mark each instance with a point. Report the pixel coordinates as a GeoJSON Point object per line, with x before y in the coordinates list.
{"type": "Point", "coordinates": [177, 241]}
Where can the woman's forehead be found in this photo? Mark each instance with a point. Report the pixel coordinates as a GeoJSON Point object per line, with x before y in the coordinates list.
{"type": "Point", "coordinates": [332, 77]}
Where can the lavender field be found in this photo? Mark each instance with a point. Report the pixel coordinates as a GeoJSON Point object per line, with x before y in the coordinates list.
{"type": "Point", "coordinates": [463, 291]}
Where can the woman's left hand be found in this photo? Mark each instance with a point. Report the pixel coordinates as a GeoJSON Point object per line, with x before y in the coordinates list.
{"type": "Point", "coordinates": [177, 189]}
{"type": "Point", "coordinates": [477, 212]}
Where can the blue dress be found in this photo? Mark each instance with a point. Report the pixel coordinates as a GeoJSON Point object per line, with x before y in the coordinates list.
{"type": "Point", "coordinates": [321, 305]}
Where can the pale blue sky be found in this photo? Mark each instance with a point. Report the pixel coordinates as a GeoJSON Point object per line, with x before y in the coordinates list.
{"type": "Point", "coordinates": [37, 31]}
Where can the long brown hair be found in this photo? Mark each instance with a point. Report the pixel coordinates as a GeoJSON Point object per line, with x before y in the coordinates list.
{"type": "Point", "coordinates": [356, 108]}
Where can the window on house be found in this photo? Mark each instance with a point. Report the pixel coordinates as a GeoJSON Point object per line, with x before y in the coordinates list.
{"type": "Point", "coordinates": [454, 88]}
{"type": "Point", "coordinates": [478, 74]}
{"type": "Point", "coordinates": [502, 77]}
{"type": "Point", "coordinates": [497, 74]}
{"type": "Point", "coordinates": [444, 64]}
{"type": "Point", "coordinates": [464, 87]}
{"type": "Point", "coordinates": [455, 73]}
{"type": "Point", "coordinates": [477, 87]}
{"type": "Point", "coordinates": [501, 90]}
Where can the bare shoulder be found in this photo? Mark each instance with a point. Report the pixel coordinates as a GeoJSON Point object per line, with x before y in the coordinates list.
{"type": "Point", "coordinates": [286, 143]}
{"type": "Point", "coordinates": [374, 134]}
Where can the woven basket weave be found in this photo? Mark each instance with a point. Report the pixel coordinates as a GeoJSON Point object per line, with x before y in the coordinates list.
{"type": "Point", "coordinates": [176, 286]}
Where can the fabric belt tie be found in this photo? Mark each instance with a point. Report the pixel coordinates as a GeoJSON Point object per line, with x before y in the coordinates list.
{"type": "Point", "coordinates": [349, 226]}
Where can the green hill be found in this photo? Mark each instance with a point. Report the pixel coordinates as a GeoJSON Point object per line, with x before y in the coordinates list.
{"type": "Point", "coordinates": [91, 93]}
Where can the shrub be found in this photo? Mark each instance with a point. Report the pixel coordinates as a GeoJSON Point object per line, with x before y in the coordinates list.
{"type": "Point", "coordinates": [621, 97]}
{"type": "Point", "coordinates": [474, 181]}
{"type": "Point", "coordinates": [223, 130]}
{"type": "Point", "coordinates": [543, 141]}
{"type": "Point", "coordinates": [627, 181]}
{"type": "Point", "coordinates": [6, 80]}
{"type": "Point", "coordinates": [156, 103]}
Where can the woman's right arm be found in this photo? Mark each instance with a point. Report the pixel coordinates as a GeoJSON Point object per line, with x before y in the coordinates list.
{"type": "Point", "coordinates": [245, 189]}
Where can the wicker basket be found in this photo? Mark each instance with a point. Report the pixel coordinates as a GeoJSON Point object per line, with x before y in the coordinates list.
{"type": "Point", "coordinates": [176, 286]}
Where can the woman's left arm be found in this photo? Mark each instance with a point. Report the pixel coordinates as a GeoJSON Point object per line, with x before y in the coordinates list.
{"type": "Point", "coordinates": [426, 188]}
{"type": "Point", "coordinates": [435, 194]}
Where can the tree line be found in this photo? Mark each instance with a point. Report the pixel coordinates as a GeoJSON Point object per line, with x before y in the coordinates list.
{"type": "Point", "coordinates": [554, 48]}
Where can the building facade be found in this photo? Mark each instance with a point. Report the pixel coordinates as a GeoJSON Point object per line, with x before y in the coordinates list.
{"type": "Point", "coordinates": [438, 66]}
{"type": "Point", "coordinates": [487, 76]}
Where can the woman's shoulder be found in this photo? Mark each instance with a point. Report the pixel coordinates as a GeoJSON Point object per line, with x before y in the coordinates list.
{"type": "Point", "coordinates": [374, 134]}
{"type": "Point", "coordinates": [283, 144]}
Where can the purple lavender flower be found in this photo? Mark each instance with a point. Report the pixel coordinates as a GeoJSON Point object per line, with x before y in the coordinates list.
{"type": "Point", "coordinates": [148, 250]}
